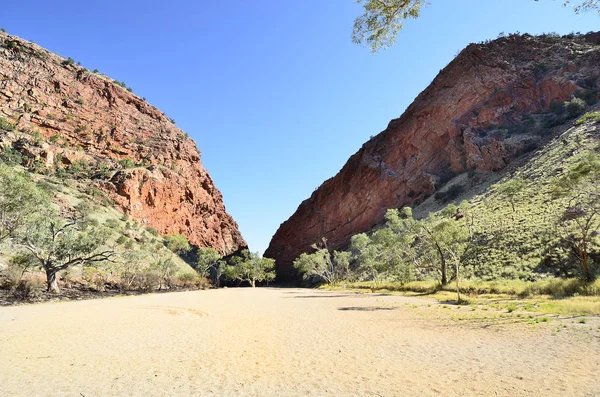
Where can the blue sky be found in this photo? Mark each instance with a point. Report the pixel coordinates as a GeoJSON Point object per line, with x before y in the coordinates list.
{"type": "Point", "coordinates": [273, 91]}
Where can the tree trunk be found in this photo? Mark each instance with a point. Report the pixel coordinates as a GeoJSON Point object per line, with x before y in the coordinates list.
{"type": "Point", "coordinates": [51, 280]}
{"type": "Point", "coordinates": [253, 283]}
{"type": "Point", "coordinates": [584, 261]}
{"type": "Point", "coordinates": [457, 280]}
{"type": "Point", "coordinates": [444, 267]}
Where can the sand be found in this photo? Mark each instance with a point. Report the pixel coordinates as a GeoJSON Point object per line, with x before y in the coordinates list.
{"type": "Point", "coordinates": [287, 342]}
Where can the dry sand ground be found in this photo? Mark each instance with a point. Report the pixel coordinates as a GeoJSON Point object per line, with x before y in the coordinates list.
{"type": "Point", "coordinates": [287, 342]}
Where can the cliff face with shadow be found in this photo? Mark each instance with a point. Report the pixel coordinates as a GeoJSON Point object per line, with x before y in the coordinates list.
{"type": "Point", "coordinates": [450, 129]}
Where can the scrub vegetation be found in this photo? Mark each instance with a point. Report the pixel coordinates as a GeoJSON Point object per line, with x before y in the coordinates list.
{"type": "Point", "coordinates": [532, 232]}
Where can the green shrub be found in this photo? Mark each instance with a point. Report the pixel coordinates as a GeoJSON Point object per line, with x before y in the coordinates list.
{"type": "Point", "coordinates": [152, 231]}
{"type": "Point", "coordinates": [557, 107]}
{"type": "Point", "coordinates": [68, 61]}
{"type": "Point", "coordinates": [112, 223]}
{"type": "Point", "coordinates": [126, 163]}
{"type": "Point", "coordinates": [589, 96]}
{"type": "Point", "coordinates": [178, 243]}
{"type": "Point", "coordinates": [191, 280]}
{"type": "Point", "coordinates": [5, 125]}
{"type": "Point", "coordinates": [575, 107]}
{"type": "Point", "coordinates": [452, 193]}
{"type": "Point", "coordinates": [79, 101]}
{"type": "Point", "coordinates": [11, 156]}
{"type": "Point", "coordinates": [2, 30]}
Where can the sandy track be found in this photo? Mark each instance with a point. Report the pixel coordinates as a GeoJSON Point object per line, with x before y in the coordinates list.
{"type": "Point", "coordinates": [283, 342]}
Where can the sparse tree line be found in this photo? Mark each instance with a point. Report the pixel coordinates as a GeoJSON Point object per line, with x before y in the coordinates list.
{"type": "Point", "coordinates": [42, 242]}
{"type": "Point", "coordinates": [451, 243]}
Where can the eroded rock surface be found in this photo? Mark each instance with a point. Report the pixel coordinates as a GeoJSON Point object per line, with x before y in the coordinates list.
{"type": "Point", "coordinates": [448, 130]}
{"type": "Point", "coordinates": [152, 168]}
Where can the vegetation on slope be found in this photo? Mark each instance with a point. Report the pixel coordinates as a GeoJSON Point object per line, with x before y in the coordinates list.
{"type": "Point", "coordinates": [539, 221]}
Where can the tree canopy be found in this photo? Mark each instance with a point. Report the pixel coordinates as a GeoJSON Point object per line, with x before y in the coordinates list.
{"type": "Point", "coordinates": [382, 20]}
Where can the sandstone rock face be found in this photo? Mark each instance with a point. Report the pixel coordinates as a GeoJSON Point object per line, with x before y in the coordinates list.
{"type": "Point", "coordinates": [155, 173]}
{"type": "Point", "coordinates": [443, 133]}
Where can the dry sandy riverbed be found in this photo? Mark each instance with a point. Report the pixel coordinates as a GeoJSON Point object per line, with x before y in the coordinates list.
{"type": "Point", "coordinates": [287, 342]}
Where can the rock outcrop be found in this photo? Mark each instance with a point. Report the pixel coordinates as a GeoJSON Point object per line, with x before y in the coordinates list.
{"type": "Point", "coordinates": [448, 130]}
{"type": "Point", "coordinates": [151, 168]}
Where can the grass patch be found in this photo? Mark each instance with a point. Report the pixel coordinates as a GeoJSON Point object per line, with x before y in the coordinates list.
{"type": "Point", "coordinates": [551, 296]}
{"type": "Point", "coordinates": [594, 117]}
{"type": "Point", "coordinates": [555, 287]}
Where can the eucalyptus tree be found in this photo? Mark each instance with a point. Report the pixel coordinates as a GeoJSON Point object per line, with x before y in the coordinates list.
{"type": "Point", "coordinates": [382, 20]}
{"type": "Point", "coordinates": [579, 183]}
{"type": "Point", "coordinates": [251, 267]}
{"type": "Point", "coordinates": [58, 244]}
{"type": "Point", "coordinates": [20, 199]}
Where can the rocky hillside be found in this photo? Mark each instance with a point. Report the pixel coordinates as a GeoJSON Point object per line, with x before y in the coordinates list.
{"type": "Point", "coordinates": [487, 108]}
{"type": "Point", "coordinates": [65, 118]}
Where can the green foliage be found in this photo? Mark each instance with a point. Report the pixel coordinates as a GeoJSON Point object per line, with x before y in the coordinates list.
{"type": "Point", "coordinates": [529, 225]}
{"type": "Point", "coordinates": [58, 244]}
{"type": "Point", "coordinates": [5, 125]}
{"type": "Point", "coordinates": [381, 21]}
{"type": "Point", "coordinates": [20, 198]}
{"type": "Point", "coordinates": [11, 156]}
{"type": "Point", "coordinates": [208, 258]}
{"type": "Point", "coordinates": [178, 243]}
{"type": "Point", "coordinates": [152, 231]}
{"type": "Point", "coordinates": [127, 163]}
{"type": "Point", "coordinates": [251, 267]}
{"type": "Point", "coordinates": [575, 107]}
{"type": "Point", "coordinates": [68, 62]}
{"type": "Point", "coordinates": [593, 117]}
{"type": "Point", "coordinates": [322, 265]}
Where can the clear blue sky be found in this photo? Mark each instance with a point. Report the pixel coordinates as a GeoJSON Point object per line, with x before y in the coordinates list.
{"type": "Point", "coordinates": [273, 91]}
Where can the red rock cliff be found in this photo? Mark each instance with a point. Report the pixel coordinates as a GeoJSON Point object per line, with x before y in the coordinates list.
{"type": "Point", "coordinates": [443, 133]}
{"type": "Point", "coordinates": [79, 115]}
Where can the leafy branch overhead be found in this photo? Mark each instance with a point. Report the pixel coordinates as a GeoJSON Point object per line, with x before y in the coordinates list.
{"type": "Point", "coordinates": [382, 20]}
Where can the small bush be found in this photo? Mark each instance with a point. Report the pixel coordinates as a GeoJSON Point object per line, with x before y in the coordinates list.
{"type": "Point", "coordinates": [68, 61]}
{"type": "Point", "coordinates": [96, 278]}
{"type": "Point", "coordinates": [126, 163]}
{"type": "Point", "coordinates": [112, 223]}
{"type": "Point", "coordinates": [191, 280]}
{"type": "Point", "coordinates": [178, 243]}
{"type": "Point", "coordinates": [121, 240]}
{"type": "Point", "coordinates": [146, 281]}
{"type": "Point", "coordinates": [11, 156]}
{"type": "Point", "coordinates": [27, 289]}
{"type": "Point", "coordinates": [557, 107]}
{"type": "Point", "coordinates": [575, 107]}
{"type": "Point", "coordinates": [5, 125]}
{"type": "Point", "coordinates": [589, 96]}
{"type": "Point", "coordinates": [79, 101]}
{"type": "Point", "coordinates": [2, 30]}
{"type": "Point", "coordinates": [452, 193]}
{"type": "Point", "coordinates": [152, 231]}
